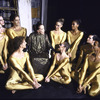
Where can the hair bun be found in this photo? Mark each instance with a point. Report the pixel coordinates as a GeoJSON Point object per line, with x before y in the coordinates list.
{"type": "Point", "coordinates": [62, 19]}
{"type": "Point", "coordinates": [78, 21]}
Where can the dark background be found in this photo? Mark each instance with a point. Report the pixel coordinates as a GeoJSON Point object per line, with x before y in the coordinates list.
{"type": "Point", "coordinates": [86, 10]}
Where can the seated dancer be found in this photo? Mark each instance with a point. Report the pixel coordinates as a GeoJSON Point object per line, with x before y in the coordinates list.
{"type": "Point", "coordinates": [19, 79]}
{"type": "Point", "coordinates": [39, 46]}
{"type": "Point", "coordinates": [84, 51]}
{"type": "Point", "coordinates": [90, 74]}
{"type": "Point", "coordinates": [61, 68]}
{"type": "Point", "coordinates": [3, 47]}
{"type": "Point", "coordinates": [74, 37]}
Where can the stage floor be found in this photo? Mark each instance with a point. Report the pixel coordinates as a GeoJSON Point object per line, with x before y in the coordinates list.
{"type": "Point", "coordinates": [50, 90]}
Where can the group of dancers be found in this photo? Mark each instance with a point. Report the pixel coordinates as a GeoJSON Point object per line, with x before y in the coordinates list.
{"type": "Point", "coordinates": [19, 53]}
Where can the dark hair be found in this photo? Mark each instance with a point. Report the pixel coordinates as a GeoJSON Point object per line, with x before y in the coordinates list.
{"type": "Point", "coordinates": [14, 44]}
{"type": "Point", "coordinates": [36, 27]}
{"type": "Point", "coordinates": [17, 41]}
{"type": "Point", "coordinates": [13, 16]}
{"type": "Point", "coordinates": [66, 44]}
{"type": "Point", "coordinates": [78, 21]}
{"type": "Point", "coordinates": [96, 38]}
{"type": "Point", "coordinates": [61, 20]}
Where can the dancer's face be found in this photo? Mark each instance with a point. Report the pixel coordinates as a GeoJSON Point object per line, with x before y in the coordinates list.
{"type": "Point", "coordinates": [62, 47]}
{"type": "Point", "coordinates": [41, 29]}
{"type": "Point", "coordinates": [23, 45]}
{"type": "Point", "coordinates": [90, 39]}
{"type": "Point", "coordinates": [58, 25]}
{"type": "Point", "coordinates": [74, 25]}
{"type": "Point", "coordinates": [1, 21]}
{"type": "Point", "coordinates": [16, 21]}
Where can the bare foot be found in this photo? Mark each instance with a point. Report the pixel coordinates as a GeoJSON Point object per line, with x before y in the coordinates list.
{"type": "Point", "coordinates": [39, 85]}
{"type": "Point", "coordinates": [47, 79]}
{"type": "Point", "coordinates": [13, 91]}
{"type": "Point", "coordinates": [36, 85]}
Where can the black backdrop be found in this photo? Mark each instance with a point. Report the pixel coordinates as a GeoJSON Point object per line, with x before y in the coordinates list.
{"type": "Point", "coordinates": [86, 10]}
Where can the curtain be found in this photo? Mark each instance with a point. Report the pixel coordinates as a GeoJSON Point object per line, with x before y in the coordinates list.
{"type": "Point", "coordinates": [24, 9]}
{"type": "Point", "coordinates": [44, 12]}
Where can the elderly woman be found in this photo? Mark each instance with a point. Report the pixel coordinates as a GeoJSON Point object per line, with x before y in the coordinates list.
{"type": "Point", "coordinates": [39, 46]}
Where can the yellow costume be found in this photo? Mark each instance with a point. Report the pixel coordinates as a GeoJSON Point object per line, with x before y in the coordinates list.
{"type": "Point", "coordinates": [57, 38]}
{"type": "Point", "coordinates": [92, 80]}
{"type": "Point", "coordinates": [84, 51]}
{"type": "Point", "coordinates": [62, 73]}
{"type": "Point", "coordinates": [3, 51]}
{"type": "Point", "coordinates": [74, 41]}
{"type": "Point", "coordinates": [19, 79]}
{"type": "Point", "coordinates": [12, 34]}
{"type": "Point", "coordinates": [4, 33]}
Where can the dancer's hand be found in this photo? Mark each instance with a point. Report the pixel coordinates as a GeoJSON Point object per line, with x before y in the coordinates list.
{"type": "Point", "coordinates": [47, 79]}
{"type": "Point", "coordinates": [80, 89]}
{"type": "Point", "coordinates": [69, 54]}
{"type": "Point", "coordinates": [5, 66]}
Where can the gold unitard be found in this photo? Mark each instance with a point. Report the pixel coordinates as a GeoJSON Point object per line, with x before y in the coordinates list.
{"type": "Point", "coordinates": [61, 74]}
{"type": "Point", "coordinates": [90, 76]}
{"type": "Point", "coordinates": [12, 33]}
{"type": "Point", "coordinates": [19, 79]}
{"type": "Point", "coordinates": [57, 38]}
{"type": "Point", "coordinates": [74, 41]}
{"type": "Point", "coordinates": [3, 51]}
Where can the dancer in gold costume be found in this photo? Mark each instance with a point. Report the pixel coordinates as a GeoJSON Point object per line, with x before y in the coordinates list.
{"type": "Point", "coordinates": [91, 79]}
{"type": "Point", "coordinates": [60, 69]}
{"type": "Point", "coordinates": [16, 29]}
{"type": "Point", "coordinates": [19, 79]}
{"type": "Point", "coordinates": [84, 51]}
{"type": "Point", "coordinates": [2, 29]}
{"type": "Point", "coordinates": [3, 47]}
{"type": "Point", "coordinates": [74, 37]}
{"type": "Point", "coordinates": [58, 36]}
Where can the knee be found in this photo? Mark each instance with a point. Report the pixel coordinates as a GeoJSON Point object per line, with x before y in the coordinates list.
{"type": "Point", "coordinates": [40, 77]}
{"type": "Point", "coordinates": [92, 93]}
{"type": "Point", "coordinates": [68, 81]}
{"type": "Point", "coordinates": [8, 86]}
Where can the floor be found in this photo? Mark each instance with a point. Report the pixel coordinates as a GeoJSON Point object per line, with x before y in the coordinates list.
{"type": "Point", "coordinates": [50, 90]}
